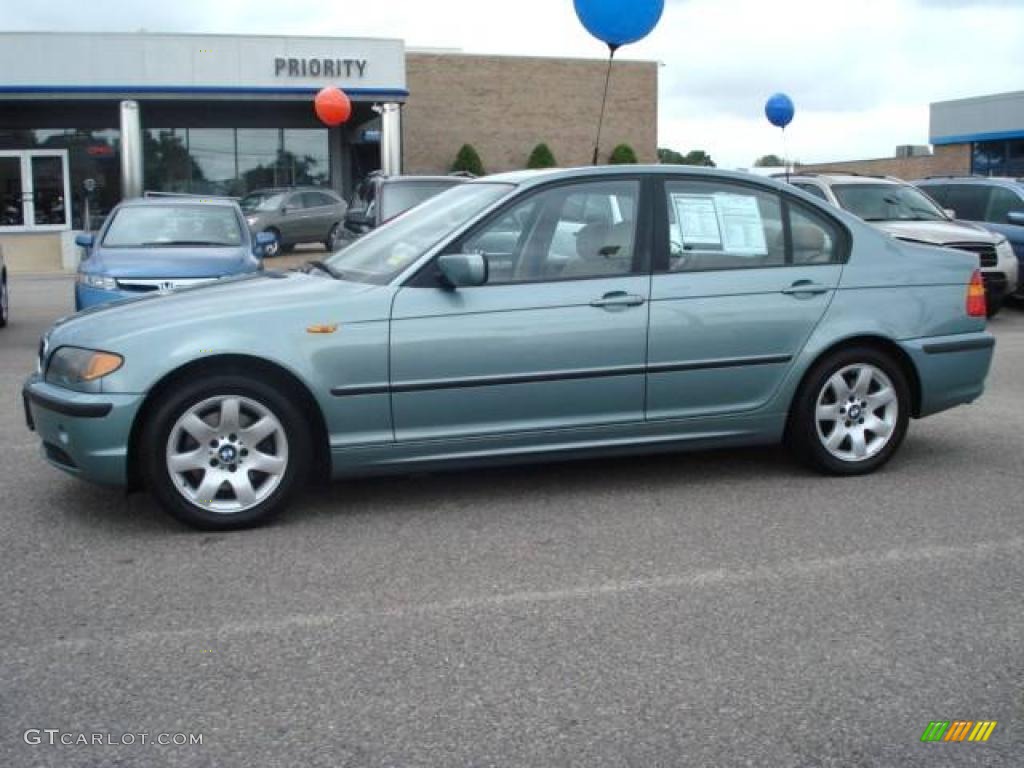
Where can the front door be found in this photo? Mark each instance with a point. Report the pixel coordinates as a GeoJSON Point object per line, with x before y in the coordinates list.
{"type": "Point", "coordinates": [742, 277]}
{"type": "Point", "coordinates": [555, 339]}
{"type": "Point", "coordinates": [34, 190]}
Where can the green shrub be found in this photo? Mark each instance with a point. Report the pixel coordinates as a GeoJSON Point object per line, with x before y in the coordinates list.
{"type": "Point", "coordinates": [623, 155]}
{"type": "Point", "coordinates": [541, 157]}
{"type": "Point", "coordinates": [468, 160]}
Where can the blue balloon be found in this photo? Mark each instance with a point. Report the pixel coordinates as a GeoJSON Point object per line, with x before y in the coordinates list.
{"type": "Point", "coordinates": [619, 22]}
{"type": "Point", "coordinates": [779, 110]}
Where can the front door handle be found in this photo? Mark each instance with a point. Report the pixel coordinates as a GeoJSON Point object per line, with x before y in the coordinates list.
{"type": "Point", "coordinates": [805, 288]}
{"type": "Point", "coordinates": [618, 299]}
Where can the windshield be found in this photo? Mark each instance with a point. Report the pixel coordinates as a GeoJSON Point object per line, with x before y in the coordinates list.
{"type": "Point", "coordinates": [174, 225]}
{"type": "Point", "coordinates": [399, 197]}
{"type": "Point", "coordinates": [379, 256]}
{"type": "Point", "coordinates": [887, 202]}
{"type": "Point", "coordinates": [262, 201]}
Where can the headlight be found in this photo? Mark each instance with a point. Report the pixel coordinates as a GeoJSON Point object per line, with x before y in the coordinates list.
{"type": "Point", "coordinates": [73, 365]}
{"type": "Point", "coordinates": [97, 281]}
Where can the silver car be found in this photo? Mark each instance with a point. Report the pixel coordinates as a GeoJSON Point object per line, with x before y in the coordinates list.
{"type": "Point", "coordinates": [904, 212]}
{"type": "Point", "coordinates": [296, 215]}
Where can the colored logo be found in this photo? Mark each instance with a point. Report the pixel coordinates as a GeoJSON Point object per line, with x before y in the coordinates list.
{"type": "Point", "coordinates": [958, 730]}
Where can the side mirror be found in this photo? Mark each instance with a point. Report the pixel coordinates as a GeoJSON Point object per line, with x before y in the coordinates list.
{"type": "Point", "coordinates": [263, 241]}
{"type": "Point", "coordinates": [85, 241]}
{"type": "Point", "coordinates": [950, 212]}
{"type": "Point", "coordinates": [463, 270]}
{"type": "Point", "coordinates": [1015, 217]}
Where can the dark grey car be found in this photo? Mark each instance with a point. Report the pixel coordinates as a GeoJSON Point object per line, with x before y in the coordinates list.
{"type": "Point", "coordinates": [296, 215]}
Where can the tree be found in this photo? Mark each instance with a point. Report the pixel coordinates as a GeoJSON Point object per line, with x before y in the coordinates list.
{"type": "Point", "coordinates": [541, 157]}
{"type": "Point", "coordinates": [468, 161]}
{"type": "Point", "coordinates": [769, 161]}
{"type": "Point", "coordinates": [622, 155]}
{"type": "Point", "coordinates": [698, 157]}
{"type": "Point", "coordinates": [670, 157]}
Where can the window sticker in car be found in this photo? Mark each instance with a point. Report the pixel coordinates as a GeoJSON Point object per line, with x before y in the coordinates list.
{"type": "Point", "coordinates": [697, 216]}
{"type": "Point", "coordinates": [742, 228]}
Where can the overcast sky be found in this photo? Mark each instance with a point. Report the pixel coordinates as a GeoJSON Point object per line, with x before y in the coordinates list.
{"type": "Point", "coordinates": [861, 72]}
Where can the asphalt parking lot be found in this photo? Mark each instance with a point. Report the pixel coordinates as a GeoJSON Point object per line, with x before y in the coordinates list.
{"type": "Point", "coordinates": [710, 609]}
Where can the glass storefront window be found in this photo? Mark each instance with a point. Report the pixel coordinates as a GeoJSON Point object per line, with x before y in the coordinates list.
{"type": "Point", "coordinates": [998, 158]}
{"type": "Point", "coordinates": [257, 158]}
{"type": "Point", "coordinates": [213, 155]}
{"type": "Point", "coordinates": [304, 157]}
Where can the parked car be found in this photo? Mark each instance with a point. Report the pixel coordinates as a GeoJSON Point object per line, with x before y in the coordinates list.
{"type": "Point", "coordinates": [296, 215]}
{"type": "Point", "coordinates": [995, 203]}
{"type": "Point", "coordinates": [5, 299]}
{"type": "Point", "coordinates": [714, 309]}
{"type": "Point", "coordinates": [905, 213]}
{"type": "Point", "coordinates": [379, 199]}
{"type": "Point", "coordinates": [160, 244]}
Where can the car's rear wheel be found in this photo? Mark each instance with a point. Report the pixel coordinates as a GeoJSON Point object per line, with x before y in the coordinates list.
{"type": "Point", "coordinates": [225, 452]}
{"type": "Point", "coordinates": [333, 241]}
{"type": "Point", "coordinates": [851, 412]}
{"type": "Point", "coordinates": [4, 301]}
{"type": "Point", "coordinates": [272, 249]}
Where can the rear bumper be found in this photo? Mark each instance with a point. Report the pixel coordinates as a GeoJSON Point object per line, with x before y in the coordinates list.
{"type": "Point", "coordinates": [82, 433]}
{"type": "Point", "coordinates": [952, 369]}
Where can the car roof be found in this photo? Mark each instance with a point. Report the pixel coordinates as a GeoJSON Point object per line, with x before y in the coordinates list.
{"type": "Point", "coordinates": [452, 179]}
{"type": "Point", "coordinates": [846, 178]}
{"type": "Point", "coordinates": [139, 202]}
{"type": "Point", "coordinates": [534, 177]}
{"type": "Point", "coordinates": [1002, 181]}
{"type": "Point", "coordinates": [279, 190]}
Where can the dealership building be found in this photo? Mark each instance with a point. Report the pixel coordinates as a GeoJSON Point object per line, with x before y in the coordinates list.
{"type": "Point", "coordinates": [982, 135]}
{"type": "Point", "coordinates": [83, 116]}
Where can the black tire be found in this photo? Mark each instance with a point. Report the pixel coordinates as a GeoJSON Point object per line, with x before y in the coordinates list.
{"type": "Point", "coordinates": [157, 430]}
{"type": "Point", "coordinates": [5, 299]}
{"type": "Point", "coordinates": [802, 431]}
{"type": "Point", "coordinates": [333, 239]}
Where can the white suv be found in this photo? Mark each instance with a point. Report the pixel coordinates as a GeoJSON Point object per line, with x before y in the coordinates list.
{"type": "Point", "coordinates": [907, 213]}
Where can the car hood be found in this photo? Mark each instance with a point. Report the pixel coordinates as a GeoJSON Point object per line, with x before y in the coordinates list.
{"type": "Point", "coordinates": [252, 302]}
{"type": "Point", "coordinates": [937, 232]}
{"type": "Point", "coordinates": [167, 262]}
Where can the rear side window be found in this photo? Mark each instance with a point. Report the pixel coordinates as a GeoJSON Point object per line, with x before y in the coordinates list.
{"type": "Point", "coordinates": [718, 226]}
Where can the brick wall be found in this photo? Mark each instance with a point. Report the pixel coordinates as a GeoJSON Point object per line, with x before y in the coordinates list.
{"type": "Point", "coordinates": [506, 105]}
{"type": "Point", "coordinates": [948, 160]}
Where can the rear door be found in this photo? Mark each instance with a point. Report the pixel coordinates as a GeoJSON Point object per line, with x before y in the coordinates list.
{"type": "Point", "coordinates": [742, 277]}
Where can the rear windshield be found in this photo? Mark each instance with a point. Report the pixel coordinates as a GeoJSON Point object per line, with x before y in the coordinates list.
{"type": "Point", "coordinates": [180, 226]}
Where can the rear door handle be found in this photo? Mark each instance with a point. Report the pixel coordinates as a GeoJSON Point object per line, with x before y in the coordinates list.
{"type": "Point", "coordinates": [618, 299]}
{"type": "Point", "coordinates": [805, 288]}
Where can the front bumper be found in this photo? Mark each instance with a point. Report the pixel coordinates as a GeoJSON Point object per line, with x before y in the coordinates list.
{"type": "Point", "coordinates": [951, 369]}
{"type": "Point", "coordinates": [84, 434]}
{"type": "Point", "coordinates": [86, 296]}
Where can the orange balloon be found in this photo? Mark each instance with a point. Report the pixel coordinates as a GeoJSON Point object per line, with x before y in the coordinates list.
{"type": "Point", "coordinates": [332, 106]}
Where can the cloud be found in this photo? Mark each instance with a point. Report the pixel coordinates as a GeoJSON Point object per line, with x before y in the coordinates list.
{"type": "Point", "coordinates": [861, 73]}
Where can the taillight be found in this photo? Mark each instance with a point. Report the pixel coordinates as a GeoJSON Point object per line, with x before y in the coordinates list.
{"type": "Point", "coordinates": [976, 296]}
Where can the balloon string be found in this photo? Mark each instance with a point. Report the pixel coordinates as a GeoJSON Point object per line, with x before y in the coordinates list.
{"type": "Point", "coordinates": [604, 101]}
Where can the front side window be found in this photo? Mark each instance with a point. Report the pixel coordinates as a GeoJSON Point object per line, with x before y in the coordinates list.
{"type": "Point", "coordinates": [574, 231]}
{"type": "Point", "coordinates": [173, 225]}
{"type": "Point", "coordinates": [384, 253]}
{"type": "Point", "coordinates": [968, 201]}
{"type": "Point", "coordinates": [714, 226]}
{"type": "Point", "coordinates": [887, 202]}
{"type": "Point", "coordinates": [262, 201]}
{"type": "Point", "coordinates": [1002, 202]}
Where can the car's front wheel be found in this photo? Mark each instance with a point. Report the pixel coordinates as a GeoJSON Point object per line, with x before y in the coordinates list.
{"type": "Point", "coordinates": [333, 241]}
{"type": "Point", "coordinates": [851, 412]}
{"type": "Point", "coordinates": [225, 452]}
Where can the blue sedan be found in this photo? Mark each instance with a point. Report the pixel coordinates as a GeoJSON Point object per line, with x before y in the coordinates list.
{"type": "Point", "coordinates": [158, 244]}
{"type": "Point", "coordinates": [522, 317]}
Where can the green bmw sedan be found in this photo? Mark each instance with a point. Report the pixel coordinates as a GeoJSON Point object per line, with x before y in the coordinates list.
{"type": "Point", "coordinates": [522, 317]}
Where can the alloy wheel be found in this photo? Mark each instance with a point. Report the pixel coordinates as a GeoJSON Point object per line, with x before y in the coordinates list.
{"type": "Point", "coordinates": [227, 454]}
{"type": "Point", "coordinates": [856, 412]}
